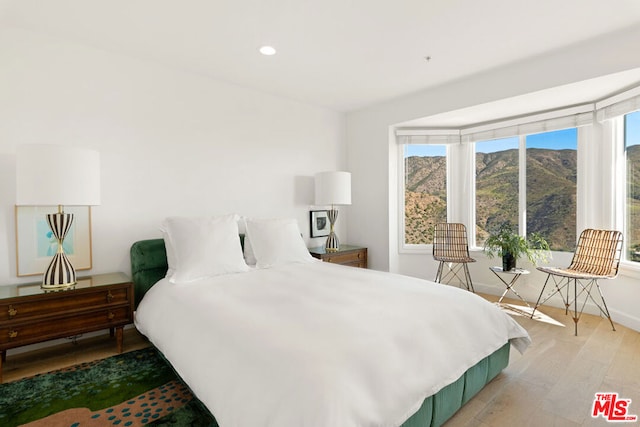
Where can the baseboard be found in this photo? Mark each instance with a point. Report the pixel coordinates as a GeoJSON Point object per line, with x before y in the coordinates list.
{"type": "Point", "coordinates": [625, 319]}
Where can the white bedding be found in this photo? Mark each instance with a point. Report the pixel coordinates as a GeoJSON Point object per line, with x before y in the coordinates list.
{"type": "Point", "coordinates": [319, 344]}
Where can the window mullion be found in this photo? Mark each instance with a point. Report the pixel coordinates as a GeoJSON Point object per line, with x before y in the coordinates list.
{"type": "Point", "coordinates": [522, 185]}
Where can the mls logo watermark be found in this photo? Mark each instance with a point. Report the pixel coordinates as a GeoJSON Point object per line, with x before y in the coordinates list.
{"type": "Point", "coordinates": [612, 408]}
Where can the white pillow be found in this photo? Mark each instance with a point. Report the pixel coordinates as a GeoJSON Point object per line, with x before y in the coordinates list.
{"type": "Point", "coordinates": [202, 247]}
{"type": "Point", "coordinates": [276, 242]}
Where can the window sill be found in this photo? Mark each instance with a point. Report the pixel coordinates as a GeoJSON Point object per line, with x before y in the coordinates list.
{"type": "Point", "coordinates": [415, 249]}
{"type": "Point", "coordinates": [630, 269]}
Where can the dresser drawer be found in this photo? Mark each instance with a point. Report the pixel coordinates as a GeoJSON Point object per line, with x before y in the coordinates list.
{"type": "Point", "coordinates": [362, 263]}
{"type": "Point", "coordinates": [15, 333]}
{"type": "Point", "coordinates": [60, 302]}
{"type": "Point", "coordinates": [355, 258]}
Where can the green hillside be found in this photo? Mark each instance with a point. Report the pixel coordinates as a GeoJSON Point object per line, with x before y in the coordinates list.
{"type": "Point", "coordinates": [496, 191]}
{"type": "Point", "coordinates": [425, 197]}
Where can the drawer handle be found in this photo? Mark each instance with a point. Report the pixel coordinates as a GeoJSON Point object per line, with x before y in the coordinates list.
{"type": "Point", "coordinates": [12, 311]}
{"type": "Point", "coordinates": [111, 315]}
{"type": "Point", "coordinates": [13, 334]}
{"type": "Point", "coordinates": [109, 296]}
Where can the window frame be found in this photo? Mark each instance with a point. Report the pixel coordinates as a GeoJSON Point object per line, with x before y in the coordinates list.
{"type": "Point", "coordinates": [403, 246]}
{"type": "Point", "coordinates": [465, 207]}
{"type": "Point", "coordinates": [619, 137]}
{"type": "Point", "coordinates": [522, 186]}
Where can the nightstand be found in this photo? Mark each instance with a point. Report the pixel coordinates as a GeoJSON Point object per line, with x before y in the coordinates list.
{"type": "Point", "coordinates": [29, 314]}
{"type": "Point", "coordinates": [355, 256]}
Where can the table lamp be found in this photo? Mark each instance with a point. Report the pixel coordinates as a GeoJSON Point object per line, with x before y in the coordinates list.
{"type": "Point", "coordinates": [333, 188]}
{"type": "Point", "coordinates": [55, 175]}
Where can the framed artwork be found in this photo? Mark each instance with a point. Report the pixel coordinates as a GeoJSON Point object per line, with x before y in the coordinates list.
{"type": "Point", "coordinates": [319, 223]}
{"type": "Point", "coordinates": [35, 243]}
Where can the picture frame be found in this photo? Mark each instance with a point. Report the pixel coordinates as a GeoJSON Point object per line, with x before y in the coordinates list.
{"type": "Point", "coordinates": [319, 223]}
{"type": "Point", "coordinates": [35, 244]}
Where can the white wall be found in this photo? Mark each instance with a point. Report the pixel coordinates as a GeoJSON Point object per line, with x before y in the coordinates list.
{"type": "Point", "coordinates": [171, 142]}
{"type": "Point", "coordinates": [373, 160]}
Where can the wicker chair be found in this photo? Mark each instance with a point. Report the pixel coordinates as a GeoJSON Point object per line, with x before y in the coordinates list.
{"type": "Point", "coordinates": [450, 247]}
{"type": "Point", "coordinates": [597, 256]}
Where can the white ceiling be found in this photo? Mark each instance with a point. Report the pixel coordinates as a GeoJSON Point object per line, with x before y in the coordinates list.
{"type": "Point", "coordinates": [340, 54]}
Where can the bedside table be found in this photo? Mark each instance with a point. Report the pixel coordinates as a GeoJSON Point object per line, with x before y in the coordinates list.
{"type": "Point", "coordinates": [355, 256]}
{"type": "Point", "coordinates": [29, 314]}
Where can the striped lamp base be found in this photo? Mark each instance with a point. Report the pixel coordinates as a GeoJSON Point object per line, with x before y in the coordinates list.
{"type": "Point", "coordinates": [333, 244]}
{"type": "Point", "coordinates": [60, 273]}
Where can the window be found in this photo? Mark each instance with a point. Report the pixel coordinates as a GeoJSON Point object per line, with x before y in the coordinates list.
{"type": "Point", "coordinates": [549, 198]}
{"type": "Point", "coordinates": [552, 173]}
{"type": "Point", "coordinates": [632, 155]}
{"type": "Point", "coordinates": [425, 191]}
{"type": "Point", "coordinates": [520, 171]}
{"type": "Point", "coordinates": [497, 176]}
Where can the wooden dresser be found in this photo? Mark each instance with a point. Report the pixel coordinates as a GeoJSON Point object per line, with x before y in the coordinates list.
{"type": "Point", "coordinates": [29, 314]}
{"type": "Point", "coordinates": [355, 256]}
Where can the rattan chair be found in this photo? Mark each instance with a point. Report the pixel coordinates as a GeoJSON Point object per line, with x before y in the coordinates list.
{"type": "Point", "coordinates": [450, 247]}
{"type": "Point", "coordinates": [597, 256]}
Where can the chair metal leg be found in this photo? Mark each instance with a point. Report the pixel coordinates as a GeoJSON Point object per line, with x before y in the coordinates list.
{"type": "Point", "coordinates": [604, 303]}
{"type": "Point", "coordinates": [468, 278]}
{"type": "Point", "coordinates": [566, 301]}
{"type": "Point", "coordinates": [540, 296]}
{"type": "Point", "coordinates": [438, 278]}
{"type": "Point", "coordinates": [454, 272]}
{"type": "Point", "coordinates": [587, 289]}
{"type": "Point", "coordinates": [576, 318]}
{"type": "Point", "coordinates": [558, 290]}
{"type": "Point", "coordinates": [604, 310]}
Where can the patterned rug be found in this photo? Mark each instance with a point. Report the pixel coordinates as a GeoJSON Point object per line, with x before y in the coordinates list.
{"type": "Point", "coordinates": [128, 390]}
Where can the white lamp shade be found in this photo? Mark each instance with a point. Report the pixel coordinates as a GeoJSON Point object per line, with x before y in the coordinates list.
{"type": "Point", "coordinates": [51, 175]}
{"type": "Point", "coordinates": [333, 188]}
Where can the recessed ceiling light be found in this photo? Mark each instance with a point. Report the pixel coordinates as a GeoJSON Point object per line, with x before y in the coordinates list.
{"type": "Point", "coordinates": [267, 50]}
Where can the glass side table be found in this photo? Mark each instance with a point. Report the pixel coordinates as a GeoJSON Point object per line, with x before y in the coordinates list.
{"type": "Point", "coordinates": [515, 275]}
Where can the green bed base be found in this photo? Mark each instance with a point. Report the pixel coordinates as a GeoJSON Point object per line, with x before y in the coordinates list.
{"type": "Point", "coordinates": [149, 264]}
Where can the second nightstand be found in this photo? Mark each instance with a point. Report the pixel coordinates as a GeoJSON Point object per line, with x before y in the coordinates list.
{"type": "Point", "coordinates": [355, 256]}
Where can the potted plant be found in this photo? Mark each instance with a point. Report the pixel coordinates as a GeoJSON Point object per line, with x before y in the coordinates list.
{"type": "Point", "coordinates": [509, 245]}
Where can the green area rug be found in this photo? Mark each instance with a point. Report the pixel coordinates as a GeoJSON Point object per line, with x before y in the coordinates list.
{"type": "Point", "coordinates": [132, 389]}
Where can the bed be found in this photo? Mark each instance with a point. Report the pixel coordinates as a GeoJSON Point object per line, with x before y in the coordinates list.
{"type": "Point", "coordinates": [298, 342]}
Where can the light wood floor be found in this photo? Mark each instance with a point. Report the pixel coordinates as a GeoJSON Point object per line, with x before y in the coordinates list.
{"type": "Point", "coordinates": [552, 384]}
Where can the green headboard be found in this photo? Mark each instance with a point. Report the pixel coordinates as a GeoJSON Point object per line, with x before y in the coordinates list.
{"type": "Point", "coordinates": [149, 264]}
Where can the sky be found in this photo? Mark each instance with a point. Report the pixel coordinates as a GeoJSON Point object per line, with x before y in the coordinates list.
{"type": "Point", "coordinates": [555, 140]}
{"type": "Point", "coordinates": [424, 150]}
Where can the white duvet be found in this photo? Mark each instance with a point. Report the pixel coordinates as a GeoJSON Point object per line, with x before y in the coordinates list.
{"type": "Point", "coordinates": [319, 344]}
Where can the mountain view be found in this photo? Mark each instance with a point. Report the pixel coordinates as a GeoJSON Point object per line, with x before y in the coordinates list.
{"type": "Point", "coordinates": [425, 197]}
{"type": "Point", "coordinates": [551, 195]}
